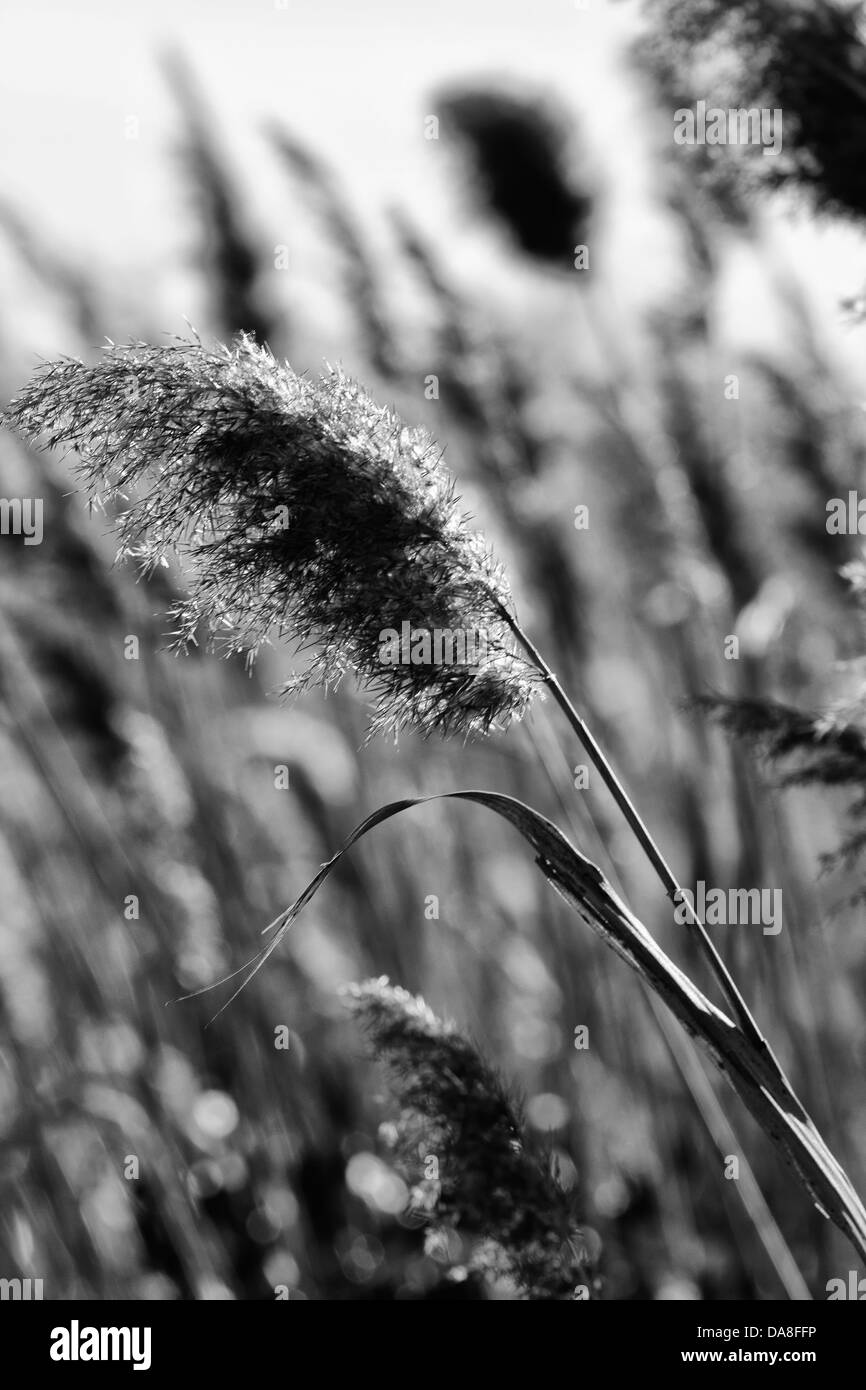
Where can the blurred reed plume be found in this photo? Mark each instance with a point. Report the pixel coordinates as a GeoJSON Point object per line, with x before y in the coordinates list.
{"type": "Point", "coordinates": [819, 749]}
{"type": "Point", "coordinates": [304, 509]}
{"type": "Point", "coordinates": [490, 1186]}
{"type": "Point", "coordinates": [518, 147]}
{"type": "Point", "coordinates": [359, 273]}
{"type": "Point", "coordinates": [232, 258]}
{"type": "Point", "coordinates": [805, 59]}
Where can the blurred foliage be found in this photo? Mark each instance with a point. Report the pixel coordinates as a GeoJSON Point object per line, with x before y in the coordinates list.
{"type": "Point", "coordinates": [805, 58]}
{"type": "Point", "coordinates": [158, 812]}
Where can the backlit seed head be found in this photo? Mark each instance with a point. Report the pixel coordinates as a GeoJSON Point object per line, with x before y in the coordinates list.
{"type": "Point", "coordinates": [300, 509]}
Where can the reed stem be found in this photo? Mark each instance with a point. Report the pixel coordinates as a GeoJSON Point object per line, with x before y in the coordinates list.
{"type": "Point", "coordinates": [672, 888]}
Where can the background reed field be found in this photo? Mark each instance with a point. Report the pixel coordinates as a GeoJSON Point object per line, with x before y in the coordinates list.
{"type": "Point", "coordinates": [697, 387]}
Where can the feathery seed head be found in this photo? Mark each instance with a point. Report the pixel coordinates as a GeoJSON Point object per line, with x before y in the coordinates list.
{"type": "Point", "coordinates": [491, 1182]}
{"type": "Point", "coordinates": [301, 509]}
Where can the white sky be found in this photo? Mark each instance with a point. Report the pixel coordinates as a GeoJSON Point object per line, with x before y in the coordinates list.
{"type": "Point", "coordinates": [350, 77]}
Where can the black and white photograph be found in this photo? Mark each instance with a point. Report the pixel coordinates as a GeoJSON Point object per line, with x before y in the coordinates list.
{"type": "Point", "coordinates": [432, 671]}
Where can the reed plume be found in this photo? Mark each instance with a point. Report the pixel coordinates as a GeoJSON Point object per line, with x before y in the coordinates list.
{"type": "Point", "coordinates": [301, 509]}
